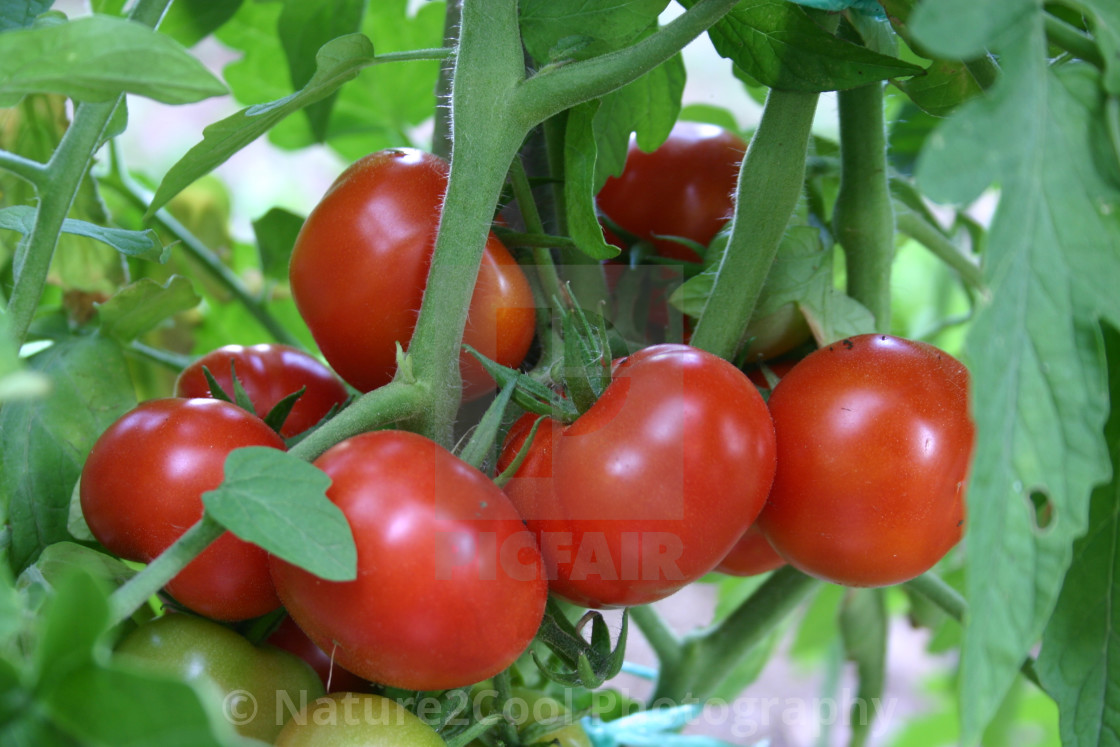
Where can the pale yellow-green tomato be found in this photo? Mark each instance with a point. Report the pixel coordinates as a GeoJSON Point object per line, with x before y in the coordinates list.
{"type": "Point", "coordinates": [356, 720]}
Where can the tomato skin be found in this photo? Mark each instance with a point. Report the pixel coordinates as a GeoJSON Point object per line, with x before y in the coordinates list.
{"type": "Point", "coordinates": [289, 637]}
{"type": "Point", "coordinates": [193, 648]}
{"type": "Point", "coordinates": [269, 373]}
{"type": "Point", "coordinates": [751, 555]}
{"type": "Point", "coordinates": [875, 440]}
{"type": "Point", "coordinates": [360, 265]}
{"type": "Point", "coordinates": [684, 188]}
{"type": "Point", "coordinates": [357, 720]}
{"type": "Point", "coordinates": [648, 489]}
{"type": "Point", "coordinates": [142, 487]}
{"type": "Point", "coordinates": [431, 532]}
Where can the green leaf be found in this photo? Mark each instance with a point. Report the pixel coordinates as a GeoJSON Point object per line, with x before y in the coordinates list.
{"type": "Point", "coordinates": [140, 306]}
{"type": "Point", "coordinates": [74, 619]}
{"type": "Point", "coordinates": [46, 440]}
{"type": "Point", "coordinates": [1052, 255]}
{"type": "Point", "coordinates": [959, 30]}
{"type": "Point", "coordinates": [575, 29]}
{"type": "Point", "coordinates": [276, 233]}
{"type": "Point", "coordinates": [579, 180]}
{"type": "Point", "coordinates": [43, 578]}
{"type": "Point", "coordinates": [377, 110]}
{"type": "Point", "coordinates": [942, 89]}
{"type": "Point", "coordinates": [143, 244]}
{"type": "Point", "coordinates": [339, 61]}
{"type": "Point", "coordinates": [777, 44]}
{"type": "Point", "coordinates": [126, 708]}
{"type": "Point", "coordinates": [22, 15]}
{"type": "Point", "coordinates": [1080, 659]}
{"type": "Point", "coordinates": [278, 502]}
{"type": "Point", "coordinates": [94, 58]}
{"type": "Point", "coordinates": [647, 107]}
{"type": "Point", "coordinates": [304, 27]}
{"type": "Point", "coordinates": [16, 381]}
{"type": "Point", "coordinates": [190, 21]}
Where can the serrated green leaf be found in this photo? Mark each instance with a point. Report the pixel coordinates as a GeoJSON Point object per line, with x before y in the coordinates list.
{"type": "Point", "coordinates": [93, 58]}
{"type": "Point", "coordinates": [776, 43]}
{"type": "Point", "coordinates": [942, 89]}
{"type": "Point", "coordinates": [338, 61]}
{"type": "Point", "coordinates": [143, 244]}
{"type": "Point", "coordinates": [140, 306]}
{"type": "Point", "coordinates": [546, 25]}
{"type": "Point", "coordinates": [1080, 659]}
{"type": "Point", "coordinates": [1051, 257]}
{"type": "Point", "coordinates": [279, 502]}
{"type": "Point", "coordinates": [579, 179]}
{"type": "Point", "coordinates": [46, 440]}
{"type": "Point", "coordinates": [276, 233]}
{"type": "Point", "coordinates": [647, 107]}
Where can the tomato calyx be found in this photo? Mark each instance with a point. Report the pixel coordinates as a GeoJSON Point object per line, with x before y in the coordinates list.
{"type": "Point", "coordinates": [582, 662]}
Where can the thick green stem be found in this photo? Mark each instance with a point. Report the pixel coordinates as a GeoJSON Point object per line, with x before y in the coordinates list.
{"type": "Point", "coordinates": [661, 638]}
{"type": "Point", "coordinates": [58, 184]}
{"type": "Point", "coordinates": [709, 657]}
{"type": "Point", "coordinates": [770, 184]}
{"type": "Point", "coordinates": [141, 587]}
{"type": "Point", "coordinates": [441, 133]}
{"type": "Point", "coordinates": [1073, 40]}
{"type": "Point", "coordinates": [864, 215]}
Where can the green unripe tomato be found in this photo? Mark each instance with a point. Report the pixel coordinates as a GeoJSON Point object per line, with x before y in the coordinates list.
{"type": "Point", "coordinates": [257, 687]}
{"type": "Point", "coordinates": [357, 720]}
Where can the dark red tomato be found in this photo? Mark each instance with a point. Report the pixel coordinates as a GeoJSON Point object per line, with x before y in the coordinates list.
{"type": "Point", "coordinates": [289, 637]}
{"type": "Point", "coordinates": [684, 188]}
{"type": "Point", "coordinates": [875, 440]}
{"type": "Point", "coordinates": [268, 373]}
{"type": "Point", "coordinates": [648, 489]}
{"type": "Point", "coordinates": [450, 588]}
{"type": "Point", "coordinates": [142, 487]}
{"type": "Point", "coordinates": [751, 555]}
{"type": "Point", "coordinates": [360, 265]}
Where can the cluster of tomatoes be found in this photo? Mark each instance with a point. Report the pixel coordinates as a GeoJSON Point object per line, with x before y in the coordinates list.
{"type": "Point", "coordinates": [853, 470]}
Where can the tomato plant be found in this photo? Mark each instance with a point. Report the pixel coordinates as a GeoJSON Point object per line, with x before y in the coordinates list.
{"type": "Point", "coordinates": [268, 373]}
{"type": "Point", "coordinates": [142, 486]}
{"type": "Point", "coordinates": [751, 555]}
{"type": "Point", "coordinates": [875, 439]}
{"type": "Point", "coordinates": [258, 687]}
{"type": "Point", "coordinates": [649, 488]}
{"type": "Point", "coordinates": [428, 528]}
{"type": "Point", "coordinates": [962, 192]}
{"type": "Point", "coordinates": [683, 188]}
{"type": "Point", "coordinates": [360, 264]}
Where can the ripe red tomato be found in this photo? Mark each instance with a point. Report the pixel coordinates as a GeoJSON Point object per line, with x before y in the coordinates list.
{"type": "Point", "coordinates": [751, 555]}
{"type": "Point", "coordinates": [648, 489]}
{"type": "Point", "coordinates": [360, 265]}
{"type": "Point", "coordinates": [450, 588]}
{"type": "Point", "coordinates": [289, 637]}
{"type": "Point", "coordinates": [684, 188]}
{"type": "Point", "coordinates": [875, 440]}
{"type": "Point", "coordinates": [142, 487]}
{"type": "Point", "coordinates": [269, 373]}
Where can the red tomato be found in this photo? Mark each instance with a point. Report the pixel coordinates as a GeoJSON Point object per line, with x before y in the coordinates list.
{"type": "Point", "coordinates": [875, 440]}
{"type": "Point", "coordinates": [360, 264]}
{"type": "Point", "coordinates": [649, 489]}
{"type": "Point", "coordinates": [684, 188]}
{"type": "Point", "coordinates": [269, 373]}
{"type": "Point", "coordinates": [289, 637]}
{"type": "Point", "coordinates": [142, 487]}
{"type": "Point", "coordinates": [751, 555]}
{"type": "Point", "coordinates": [450, 588]}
